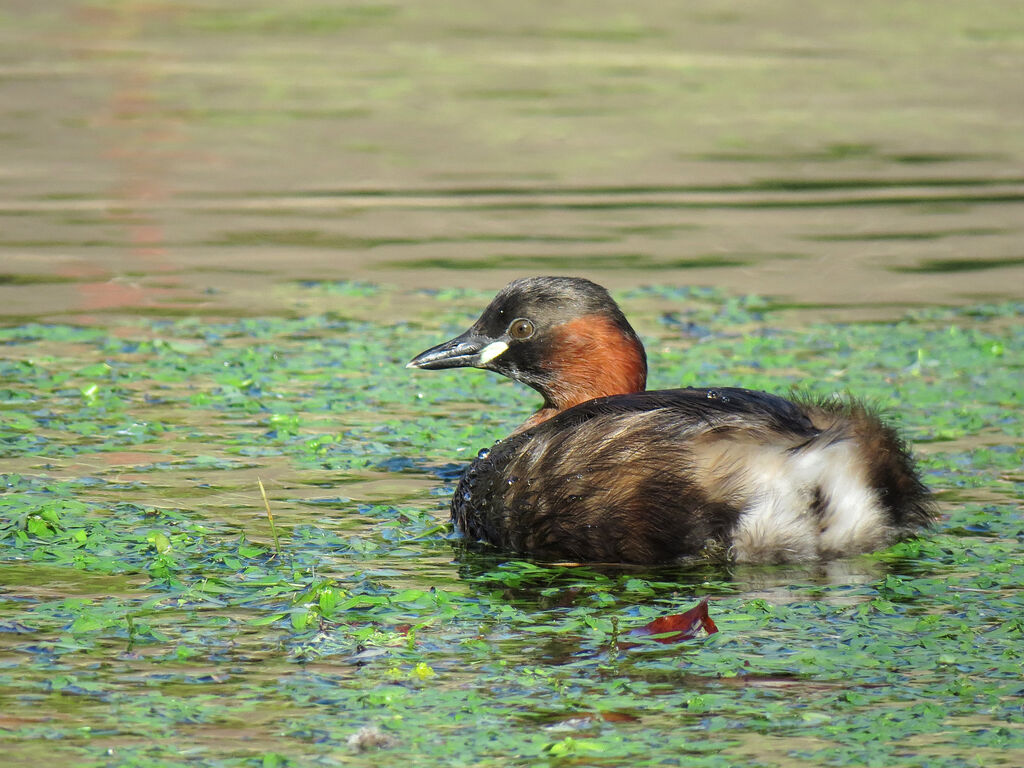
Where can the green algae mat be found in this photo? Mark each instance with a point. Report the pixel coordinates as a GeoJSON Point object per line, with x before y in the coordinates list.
{"type": "Point", "coordinates": [152, 612]}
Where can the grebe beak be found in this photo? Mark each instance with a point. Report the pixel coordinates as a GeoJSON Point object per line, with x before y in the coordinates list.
{"type": "Point", "coordinates": [468, 350]}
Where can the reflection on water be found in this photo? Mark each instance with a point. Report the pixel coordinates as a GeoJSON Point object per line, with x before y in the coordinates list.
{"type": "Point", "coordinates": [832, 582]}
{"type": "Point", "coordinates": [187, 158]}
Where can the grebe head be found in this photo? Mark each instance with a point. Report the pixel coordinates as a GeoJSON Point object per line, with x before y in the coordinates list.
{"type": "Point", "coordinates": [563, 336]}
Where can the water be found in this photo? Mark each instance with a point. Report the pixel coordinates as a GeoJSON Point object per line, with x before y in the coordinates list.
{"type": "Point", "coordinates": [191, 158]}
{"type": "Point", "coordinates": [243, 218]}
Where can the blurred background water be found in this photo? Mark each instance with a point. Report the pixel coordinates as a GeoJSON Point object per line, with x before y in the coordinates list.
{"type": "Point", "coordinates": [201, 156]}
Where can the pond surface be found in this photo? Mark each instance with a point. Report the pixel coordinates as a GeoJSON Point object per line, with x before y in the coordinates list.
{"type": "Point", "coordinates": [225, 227]}
{"type": "Point", "coordinates": [191, 157]}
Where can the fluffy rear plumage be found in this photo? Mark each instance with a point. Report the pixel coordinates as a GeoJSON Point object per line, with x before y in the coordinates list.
{"type": "Point", "coordinates": [655, 476]}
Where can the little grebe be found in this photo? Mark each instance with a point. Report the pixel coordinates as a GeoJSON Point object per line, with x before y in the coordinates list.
{"type": "Point", "coordinates": [606, 472]}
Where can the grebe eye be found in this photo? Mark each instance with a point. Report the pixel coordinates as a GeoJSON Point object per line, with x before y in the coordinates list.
{"type": "Point", "coordinates": [520, 328]}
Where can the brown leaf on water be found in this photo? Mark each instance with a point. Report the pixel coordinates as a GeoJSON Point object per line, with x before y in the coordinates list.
{"type": "Point", "coordinates": [679, 626]}
{"type": "Point", "coordinates": [617, 717]}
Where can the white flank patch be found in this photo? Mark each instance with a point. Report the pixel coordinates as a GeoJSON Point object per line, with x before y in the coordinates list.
{"type": "Point", "coordinates": [775, 525]}
{"type": "Point", "coordinates": [853, 520]}
{"type": "Point", "coordinates": [491, 351]}
{"type": "Point", "coordinates": [778, 524]}
{"type": "Point", "coordinates": [775, 528]}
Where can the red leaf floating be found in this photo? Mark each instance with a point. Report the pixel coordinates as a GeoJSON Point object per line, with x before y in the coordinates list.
{"type": "Point", "coordinates": [617, 717]}
{"type": "Point", "coordinates": [683, 626]}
